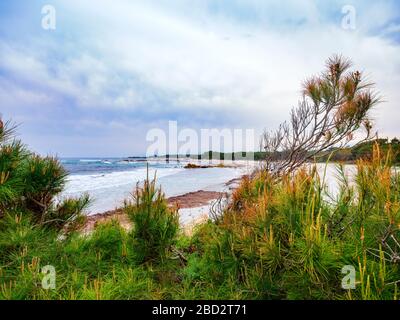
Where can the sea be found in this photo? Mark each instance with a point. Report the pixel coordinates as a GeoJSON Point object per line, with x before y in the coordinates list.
{"type": "Point", "coordinates": [109, 181]}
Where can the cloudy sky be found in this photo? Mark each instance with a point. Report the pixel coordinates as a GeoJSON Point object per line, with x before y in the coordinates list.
{"type": "Point", "coordinates": [112, 70]}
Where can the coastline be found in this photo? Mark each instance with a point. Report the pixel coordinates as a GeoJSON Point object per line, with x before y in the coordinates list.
{"type": "Point", "coordinates": [194, 208]}
{"type": "Point", "coordinates": [109, 185]}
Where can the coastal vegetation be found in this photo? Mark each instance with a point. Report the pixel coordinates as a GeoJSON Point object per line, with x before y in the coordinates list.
{"type": "Point", "coordinates": [348, 154]}
{"type": "Point", "coordinates": [283, 234]}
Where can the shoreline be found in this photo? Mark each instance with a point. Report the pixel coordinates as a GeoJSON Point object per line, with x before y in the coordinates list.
{"type": "Point", "coordinates": [109, 190]}
{"type": "Point", "coordinates": [194, 206]}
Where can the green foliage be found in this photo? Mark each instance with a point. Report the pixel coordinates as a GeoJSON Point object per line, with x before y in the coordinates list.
{"type": "Point", "coordinates": [19, 236]}
{"type": "Point", "coordinates": [288, 239]}
{"type": "Point", "coordinates": [29, 184]}
{"type": "Point", "coordinates": [44, 179]}
{"type": "Point", "coordinates": [68, 213]}
{"type": "Point", "coordinates": [155, 226]}
{"type": "Point", "coordinates": [12, 185]}
{"type": "Point", "coordinates": [363, 151]}
{"type": "Point", "coordinates": [284, 238]}
{"type": "Point", "coordinates": [95, 254]}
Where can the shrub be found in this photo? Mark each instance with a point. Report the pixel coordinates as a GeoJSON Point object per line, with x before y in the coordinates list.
{"type": "Point", "coordinates": [12, 156]}
{"type": "Point", "coordinates": [29, 184]}
{"type": "Point", "coordinates": [44, 179]}
{"type": "Point", "coordinates": [69, 213]}
{"type": "Point", "coordinates": [18, 235]}
{"type": "Point", "coordinates": [288, 239]}
{"type": "Point", "coordinates": [155, 226]}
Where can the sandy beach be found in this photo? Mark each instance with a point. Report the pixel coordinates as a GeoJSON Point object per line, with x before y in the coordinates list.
{"type": "Point", "coordinates": [193, 207]}
{"type": "Point", "coordinates": [194, 191]}
{"type": "Point", "coordinates": [110, 184]}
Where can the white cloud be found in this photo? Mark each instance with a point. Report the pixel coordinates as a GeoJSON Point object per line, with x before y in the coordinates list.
{"type": "Point", "coordinates": [152, 58]}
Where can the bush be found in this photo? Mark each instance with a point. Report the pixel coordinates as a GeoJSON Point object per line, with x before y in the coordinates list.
{"type": "Point", "coordinates": [68, 213]}
{"type": "Point", "coordinates": [96, 253]}
{"type": "Point", "coordinates": [44, 179]}
{"type": "Point", "coordinates": [29, 184]}
{"type": "Point", "coordinates": [12, 156]}
{"type": "Point", "coordinates": [18, 235]}
{"type": "Point", "coordinates": [155, 226]}
{"type": "Point", "coordinates": [289, 239]}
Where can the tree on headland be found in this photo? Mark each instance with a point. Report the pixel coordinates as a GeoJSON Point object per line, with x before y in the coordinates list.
{"type": "Point", "coordinates": [334, 106]}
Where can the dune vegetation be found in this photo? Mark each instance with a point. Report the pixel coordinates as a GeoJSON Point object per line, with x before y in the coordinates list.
{"type": "Point", "coordinates": [282, 235]}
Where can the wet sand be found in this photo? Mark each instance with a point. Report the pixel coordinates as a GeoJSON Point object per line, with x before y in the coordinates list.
{"type": "Point", "coordinates": [194, 199]}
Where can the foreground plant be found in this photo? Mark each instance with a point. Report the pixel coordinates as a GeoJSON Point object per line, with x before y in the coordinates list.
{"type": "Point", "coordinates": [290, 239]}
{"type": "Point", "coordinates": [30, 184]}
{"type": "Point", "coordinates": [334, 106]}
{"type": "Point", "coordinates": [155, 226]}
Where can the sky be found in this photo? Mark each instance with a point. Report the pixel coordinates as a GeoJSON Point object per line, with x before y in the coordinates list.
{"type": "Point", "coordinates": [111, 71]}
